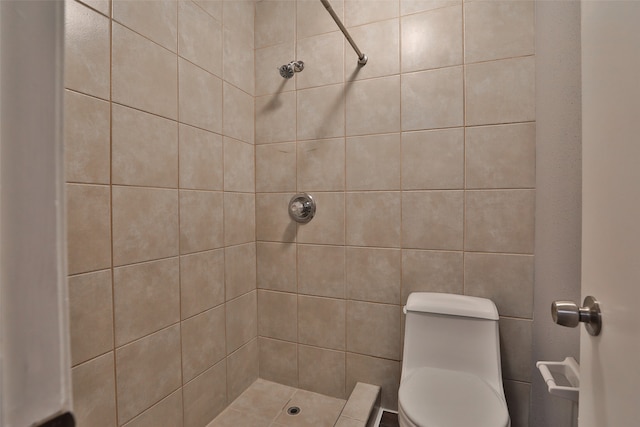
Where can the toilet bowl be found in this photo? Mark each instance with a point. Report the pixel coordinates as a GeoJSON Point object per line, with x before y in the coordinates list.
{"type": "Point", "coordinates": [451, 375]}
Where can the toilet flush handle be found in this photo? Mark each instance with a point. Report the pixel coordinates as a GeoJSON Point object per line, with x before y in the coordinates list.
{"type": "Point", "coordinates": [567, 313]}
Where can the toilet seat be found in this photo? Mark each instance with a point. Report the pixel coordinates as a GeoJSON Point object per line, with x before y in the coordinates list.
{"type": "Point", "coordinates": [432, 397]}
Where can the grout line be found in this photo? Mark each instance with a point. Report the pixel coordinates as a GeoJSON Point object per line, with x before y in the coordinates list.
{"type": "Point", "coordinates": [224, 252]}
{"type": "Point", "coordinates": [178, 113]}
{"type": "Point", "coordinates": [297, 226]}
{"type": "Point", "coordinates": [464, 154]}
{"type": "Point", "coordinates": [112, 268]}
{"type": "Point", "coordinates": [401, 170]}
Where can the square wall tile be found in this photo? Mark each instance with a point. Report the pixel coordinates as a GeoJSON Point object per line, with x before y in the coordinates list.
{"type": "Point", "coordinates": [501, 156]}
{"type": "Point", "coordinates": [201, 161]}
{"type": "Point", "coordinates": [313, 18]}
{"type": "Point", "coordinates": [383, 38]}
{"type": "Point", "coordinates": [373, 162]}
{"type": "Point", "coordinates": [242, 325]}
{"type": "Point", "coordinates": [279, 361]}
{"type": "Point", "coordinates": [206, 396]}
{"type": "Point", "coordinates": [321, 322]}
{"type": "Point", "coordinates": [432, 39]}
{"type": "Point", "coordinates": [373, 106]}
{"type": "Point", "coordinates": [358, 12]}
{"type": "Point", "coordinates": [268, 61]}
{"type": "Point", "coordinates": [146, 298]}
{"type": "Point", "coordinates": [200, 37]}
{"type": "Point", "coordinates": [408, 7]}
{"type": "Point", "coordinates": [168, 411]}
{"type": "Point", "coordinates": [203, 342]}
{"type": "Point", "coordinates": [88, 228]}
{"type": "Point", "coordinates": [201, 221]}
{"type": "Point", "coordinates": [498, 29]}
{"type": "Point", "coordinates": [373, 370]}
{"type": "Point", "coordinates": [239, 15]}
{"type": "Point", "coordinates": [515, 348]}
{"type": "Point", "coordinates": [277, 266]}
{"type": "Point", "coordinates": [321, 270]}
{"type": "Point", "coordinates": [500, 221]}
{"type": "Point", "coordinates": [239, 166]}
{"type": "Point", "coordinates": [500, 91]}
{"type": "Point", "coordinates": [238, 114]}
{"type": "Point", "coordinates": [276, 167]}
{"type": "Point", "coordinates": [518, 396]}
{"type": "Point", "coordinates": [433, 160]}
{"type": "Point", "coordinates": [432, 99]}
{"type": "Point", "coordinates": [156, 20]}
{"type": "Point", "coordinates": [431, 271]}
{"type": "Point", "coordinates": [324, 59]}
{"type": "Point", "coordinates": [200, 99]}
{"type": "Point", "coordinates": [242, 369]}
{"type": "Point", "coordinates": [374, 329]}
{"type": "Point", "coordinates": [145, 75]}
{"type": "Point", "coordinates": [374, 219]}
{"type": "Point", "coordinates": [322, 371]}
{"type": "Point", "coordinates": [94, 392]}
{"type": "Point", "coordinates": [321, 165]}
{"type": "Point", "coordinates": [87, 57]}
{"type": "Point", "coordinates": [274, 22]}
{"type": "Point", "coordinates": [101, 6]}
{"type": "Point", "coordinates": [86, 139]}
{"type": "Point", "coordinates": [212, 7]}
{"type": "Point", "coordinates": [272, 218]}
{"type": "Point", "coordinates": [433, 219]}
{"type": "Point", "coordinates": [374, 275]}
{"type": "Point", "coordinates": [239, 218]}
{"type": "Point", "coordinates": [320, 112]}
{"type": "Point", "coordinates": [327, 226]}
{"type": "Point", "coordinates": [277, 312]}
{"type": "Point", "coordinates": [201, 282]}
{"type": "Point", "coordinates": [505, 279]}
{"type": "Point", "coordinates": [275, 117]}
{"type": "Point", "coordinates": [238, 62]}
{"type": "Point", "coordinates": [146, 371]}
{"type": "Point", "coordinates": [90, 315]}
{"type": "Point", "coordinates": [145, 149]}
{"type": "Point", "coordinates": [240, 269]}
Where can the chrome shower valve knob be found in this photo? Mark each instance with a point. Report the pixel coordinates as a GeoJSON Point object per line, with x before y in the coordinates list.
{"type": "Point", "coordinates": [302, 208]}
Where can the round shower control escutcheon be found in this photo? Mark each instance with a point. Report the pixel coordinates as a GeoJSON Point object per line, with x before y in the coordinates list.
{"type": "Point", "coordinates": [302, 208]}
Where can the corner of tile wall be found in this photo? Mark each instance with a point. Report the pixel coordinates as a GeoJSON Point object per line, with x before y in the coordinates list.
{"type": "Point", "coordinates": [160, 165]}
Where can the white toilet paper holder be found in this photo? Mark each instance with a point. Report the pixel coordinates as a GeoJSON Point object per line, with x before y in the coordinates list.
{"type": "Point", "coordinates": [562, 378]}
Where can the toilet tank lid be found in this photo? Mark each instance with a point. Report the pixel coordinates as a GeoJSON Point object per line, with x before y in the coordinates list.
{"type": "Point", "coordinates": [451, 304]}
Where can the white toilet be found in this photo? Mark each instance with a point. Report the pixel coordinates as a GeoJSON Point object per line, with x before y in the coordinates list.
{"type": "Point", "coordinates": [451, 375]}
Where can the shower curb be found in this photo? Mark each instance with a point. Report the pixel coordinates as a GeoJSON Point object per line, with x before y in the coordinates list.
{"type": "Point", "coordinates": [362, 407]}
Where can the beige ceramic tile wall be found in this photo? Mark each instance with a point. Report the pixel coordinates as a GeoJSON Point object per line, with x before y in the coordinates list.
{"type": "Point", "coordinates": [423, 165]}
{"type": "Point", "coordinates": [161, 203]}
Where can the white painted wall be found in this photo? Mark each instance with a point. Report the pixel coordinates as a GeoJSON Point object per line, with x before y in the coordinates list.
{"type": "Point", "coordinates": [34, 347]}
{"type": "Point", "coordinates": [558, 197]}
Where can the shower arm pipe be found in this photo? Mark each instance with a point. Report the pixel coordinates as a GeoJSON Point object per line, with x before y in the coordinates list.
{"type": "Point", "coordinates": [362, 58]}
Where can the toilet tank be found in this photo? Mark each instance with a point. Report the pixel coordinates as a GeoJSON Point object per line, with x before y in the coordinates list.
{"type": "Point", "coordinates": [453, 332]}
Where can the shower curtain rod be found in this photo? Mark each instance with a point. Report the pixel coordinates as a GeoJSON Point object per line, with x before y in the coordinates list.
{"type": "Point", "coordinates": [362, 58]}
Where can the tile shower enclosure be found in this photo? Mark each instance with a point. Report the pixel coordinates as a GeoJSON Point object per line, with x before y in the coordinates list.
{"type": "Point", "coordinates": [183, 146]}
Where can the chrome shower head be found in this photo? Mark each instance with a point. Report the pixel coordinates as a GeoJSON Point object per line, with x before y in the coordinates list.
{"type": "Point", "coordinates": [288, 70]}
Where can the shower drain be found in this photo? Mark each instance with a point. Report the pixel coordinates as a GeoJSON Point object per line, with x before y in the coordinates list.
{"type": "Point", "coordinates": [293, 410]}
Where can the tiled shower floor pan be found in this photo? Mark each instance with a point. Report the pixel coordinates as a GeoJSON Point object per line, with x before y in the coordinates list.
{"type": "Point", "coordinates": [265, 404]}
